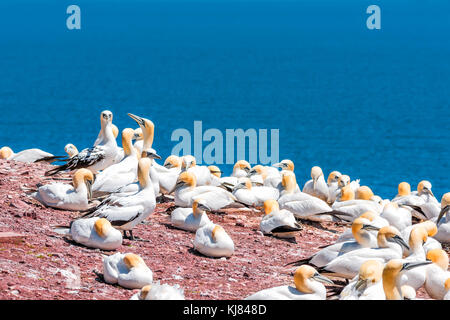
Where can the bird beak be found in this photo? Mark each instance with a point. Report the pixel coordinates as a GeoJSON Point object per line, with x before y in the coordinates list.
{"type": "Point", "coordinates": [361, 285]}
{"type": "Point", "coordinates": [411, 265]}
{"type": "Point", "coordinates": [204, 207]}
{"type": "Point", "coordinates": [251, 172]}
{"type": "Point", "coordinates": [444, 210]}
{"type": "Point", "coordinates": [247, 169]}
{"type": "Point", "coordinates": [320, 278]}
{"type": "Point", "coordinates": [217, 172]}
{"type": "Point", "coordinates": [139, 120]}
{"type": "Point", "coordinates": [428, 191]}
{"type": "Point", "coordinates": [168, 165]}
{"type": "Point", "coordinates": [152, 155]}
{"type": "Point", "coordinates": [314, 183]}
{"type": "Point", "coordinates": [401, 242]}
{"type": "Point", "coordinates": [239, 186]}
{"type": "Point", "coordinates": [89, 189]}
{"type": "Point", "coordinates": [369, 227]}
{"type": "Point", "coordinates": [277, 165]}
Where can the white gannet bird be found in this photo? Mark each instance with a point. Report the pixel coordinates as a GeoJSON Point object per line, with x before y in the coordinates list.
{"type": "Point", "coordinates": [333, 186]}
{"type": "Point", "coordinates": [443, 220]}
{"type": "Point", "coordinates": [119, 174]}
{"type": "Point", "coordinates": [275, 180]}
{"type": "Point", "coordinates": [186, 191]}
{"type": "Point", "coordinates": [308, 286]}
{"type": "Point", "coordinates": [317, 186]}
{"type": "Point", "coordinates": [258, 174]}
{"type": "Point", "coordinates": [367, 285]}
{"type": "Point", "coordinates": [431, 229]}
{"type": "Point", "coordinates": [392, 272]}
{"type": "Point", "coordinates": [96, 233]}
{"type": "Point", "coordinates": [375, 221]}
{"type": "Point", "coordinates": [126, 212]}
{"type": "Point", "coordinates": [157, 291]}
{"type": "Point", "coordinates": [397, 217]}
{"type": "Point", "coordinates": [363, 238]}
{"type": "Point", "coordinates": [202, 173]}
{"type": "Point", "coordinates": [96, 158]}
{"type": "Point", "coordinates": [148, 131]}
{"type": "Point", "coordinates": [280, 223]}
{"type": "Point", "coordinates": [302, 205]}
{"type": "Point", "coordinates": [28, 155]}
{"type": "Point", "coordinates": [216, 174]}
{"type": "Point", "coordinates": [424, 191]}
{"type": "Point", "coordinates": [65, 196]}
{"type": "Point", "coordinates": [436, 274]}
{"type": "Point", "coordinates": [168, 174]}
{"type": "Point", "coordinates": [355, 207]}
{"type": "Point", "coordinates": [240, 170]}
{"type": "Point", "coordinates": [212, 240]}
{"type": "Point", "coordinates": [127, 270]}
{"type": "Point", "coordinates": [344, 180]}
{"type": "Point", "coordinates": [390, 246]}
{"type": "Point", "coordinates": [254, 196]}
{"type": "Point", "coordinates": [191, 219]}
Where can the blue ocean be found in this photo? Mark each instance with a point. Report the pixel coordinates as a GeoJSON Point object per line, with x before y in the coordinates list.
{"type": "Point", "coordinates": [373, 104]}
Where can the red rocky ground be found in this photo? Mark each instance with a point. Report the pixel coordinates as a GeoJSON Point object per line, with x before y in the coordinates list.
{"type": "Point", "coordinates": [44, 265]}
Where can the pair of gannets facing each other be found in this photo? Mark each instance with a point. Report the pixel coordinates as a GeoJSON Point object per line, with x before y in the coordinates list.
{"type": "Point", "coordinates": [157, 291]}
{"type": "Point", "coordinates": [363, 238]}
{"type": "Point", "coordinates": [73, 197]}
{"type": "Point", "coordinates": [125, 212]}
{"type": "Point", "coordinates": [213, 241]}
{"type": "Point", "coordinates": [280, 223]}
{"type": "Point", "coordinates": [191, 219]}
{"type": "Point", "coordinates": [28, 155]}
{"type": "Point", "coordinates": [186, 191]}
{"type": "Point", "coordinates": [390, 246]}
{"type": "Point", "coordinates": [308, 286]}
{"type": "Point", "coordinates": [95, 233]}
{"type": "Point", "coordinates": [254, 196]}
{"type": "Point", "coordinates": [96, 158]}
{"type": "Point", "coordinates": [127, 270]}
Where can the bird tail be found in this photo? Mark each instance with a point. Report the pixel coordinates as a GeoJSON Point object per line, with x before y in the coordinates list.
{"type": "Point", "coordinates": [54, 171]}
{"type": "Point", "coordinates": [299, 262]}
{"type": "Point", "coordinates": [52, 159]}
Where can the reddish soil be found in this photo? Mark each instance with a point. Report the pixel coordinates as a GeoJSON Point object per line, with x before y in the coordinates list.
{"type": "Point", "coordinates": [45, 265]}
